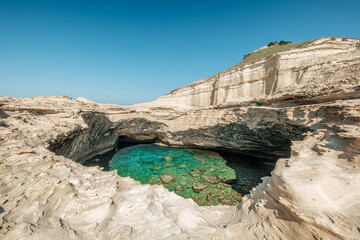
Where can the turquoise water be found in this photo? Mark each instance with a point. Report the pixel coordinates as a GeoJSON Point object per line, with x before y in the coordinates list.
{"type": "Point", "coordinates": [146, 160]}
{"type": "Point", "coordinates": [191, 173]}
{"type": "Point", "coordinates": [189, 167]}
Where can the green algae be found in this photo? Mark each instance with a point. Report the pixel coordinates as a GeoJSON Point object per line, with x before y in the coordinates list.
{"type": "Point", "coordinates": [198, 174]}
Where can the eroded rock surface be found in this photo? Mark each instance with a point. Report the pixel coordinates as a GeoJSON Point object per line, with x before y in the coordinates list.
{"type": "Point", "coordinates": [313, 193]}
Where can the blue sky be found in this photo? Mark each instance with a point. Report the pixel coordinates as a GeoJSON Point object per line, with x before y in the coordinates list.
{"type": "Point", "coordinates": [126, 52]}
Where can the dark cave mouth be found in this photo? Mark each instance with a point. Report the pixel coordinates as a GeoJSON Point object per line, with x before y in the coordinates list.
{"type": "Point", "coordinates": [208, 176]}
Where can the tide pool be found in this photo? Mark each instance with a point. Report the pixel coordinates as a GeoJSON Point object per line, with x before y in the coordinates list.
{"type": "Point", "coordinates": [190, 173]}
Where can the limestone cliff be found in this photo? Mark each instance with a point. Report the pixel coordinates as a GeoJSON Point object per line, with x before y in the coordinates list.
{"type": "Point", "coordinates": [305, 72]}
{"type": "Point", "coordinates": [312, 125]}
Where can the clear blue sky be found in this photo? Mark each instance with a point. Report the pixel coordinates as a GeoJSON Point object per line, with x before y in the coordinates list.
{"type": "Point", "coordinates": [127, 52]}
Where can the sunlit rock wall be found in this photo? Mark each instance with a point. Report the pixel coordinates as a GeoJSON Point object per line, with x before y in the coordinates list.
{"type": "Point", "coordinates": [315, 65]}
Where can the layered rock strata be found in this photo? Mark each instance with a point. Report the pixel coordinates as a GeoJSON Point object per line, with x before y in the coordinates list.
{"type": "Point", "coordinates": [308, 72]}
{"type": "Point", "coordinates": [313, 193]}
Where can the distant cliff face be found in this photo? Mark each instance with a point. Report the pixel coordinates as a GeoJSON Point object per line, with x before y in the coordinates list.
{"type": "Point", "coordinates": [306, 71]}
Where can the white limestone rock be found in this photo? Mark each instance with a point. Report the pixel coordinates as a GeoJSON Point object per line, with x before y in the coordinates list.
{"type": "Point", "coordinates": [313, 193]}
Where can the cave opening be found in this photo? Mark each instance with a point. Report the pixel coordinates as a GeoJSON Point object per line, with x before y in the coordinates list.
{"type": "Point", "coordinates": [224, 175]}
{"type": "Point", "coordinates": [102, 160]}
{"type": "Point", "coordinates": [249, 169]}
{"type": "Point", "coordinates": [125, 141]}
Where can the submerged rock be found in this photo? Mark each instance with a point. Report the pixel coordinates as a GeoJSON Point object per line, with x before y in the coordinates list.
{"type": "Point", "coordinates": [210, 196]}
{"type": "Point", "coordinates": [167, 158]}
{"type": "Point", "coordinates": [154, 180]}
{"type": "Point", "coordinates": [199, 187]}
{"type": "Point", "coordinates": [201, 159]}
{"type": "Point", "coordinates": [222, 186]}
{"type": "Point", "coordinates": [156, 168]}
{"type": "Point", "coordinates": [195, 174]}
{"type": "Point", "coordinates": [211, 179]}
{"type": "Point", "coordinates": [229, 180]}
{"type": "Point", "coordinates": [166, 178]}
{"type": "Point", "coordinates": [202, 169]}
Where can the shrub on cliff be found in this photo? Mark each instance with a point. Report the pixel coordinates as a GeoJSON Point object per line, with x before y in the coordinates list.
{"type": "Point", "coordinates": [272, 43]}
{"type": "Point", "coordinates": [284, 42]}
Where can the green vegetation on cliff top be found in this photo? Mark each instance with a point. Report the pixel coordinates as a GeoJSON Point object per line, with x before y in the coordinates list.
{"type": "Point", "coordinates": [264, 53]}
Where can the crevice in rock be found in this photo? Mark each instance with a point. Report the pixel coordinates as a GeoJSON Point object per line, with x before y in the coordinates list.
{"type": "Point", "coordinates": [83, 143]}
{"type": "Point", "coordinates": [101, 160]}
{"type": "Point", "coordinates": [124, 141]}
{"type": "Point", "coordinates": [102, 135]}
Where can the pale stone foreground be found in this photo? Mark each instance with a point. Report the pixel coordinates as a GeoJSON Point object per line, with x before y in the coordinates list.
{"type": "Point", "coordinates": [313, 194]}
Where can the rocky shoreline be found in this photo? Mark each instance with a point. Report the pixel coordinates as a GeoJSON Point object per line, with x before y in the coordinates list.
{"type": "Point", "coordinates": [313, 126]}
